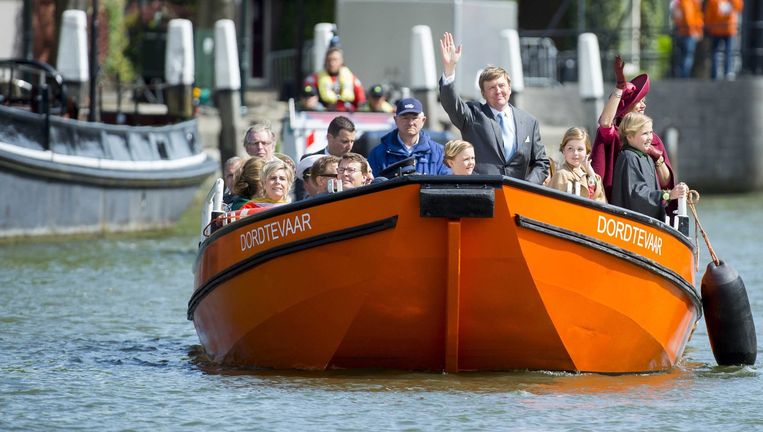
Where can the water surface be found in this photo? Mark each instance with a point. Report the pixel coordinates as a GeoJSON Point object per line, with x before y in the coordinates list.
{"type": "Point", "coordinates": [94, 336]}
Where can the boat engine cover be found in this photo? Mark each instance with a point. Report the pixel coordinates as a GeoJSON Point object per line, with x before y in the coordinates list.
{"type": "Point", "coordinates": [455, 201]}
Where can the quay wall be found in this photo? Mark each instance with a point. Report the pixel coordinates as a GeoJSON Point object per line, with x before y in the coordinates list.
{"type": "Point", "coordinates": [719, 126]}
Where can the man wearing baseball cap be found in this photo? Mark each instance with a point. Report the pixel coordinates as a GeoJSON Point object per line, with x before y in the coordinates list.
{"type": "Point", "coordinates": [408, 141]}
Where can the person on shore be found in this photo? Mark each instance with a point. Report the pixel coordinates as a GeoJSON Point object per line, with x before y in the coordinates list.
{"type": "Point", "coordinates": [506, 139]}
{"type": "Point", "coordinates": [338, 88]}
{"type": "Point", "coordinates": [353, 171]}
{"type": "Point", "coordinates": [230, 167]}
{"type": "Point", "coordinates": [625, 97]}
{"type": "Point", "coordinates": [576, 175]}
{"type": "Point", "coordinates": [377, 101]}
{"type": "Point", "coordinates": [323, 172]}
{"type": "Point", "coordinates": [459, 157]}
{"type": "Point", "coordinates": [635, 185]}
{"type": "Point", "coordinates": [687, 23]}
{"type": "Point", "coordinates": [408, 141]}
{"type": "Point", "coordinates": [275, 182]}
{"type": "Point", "coordinates": [721, 25]}
{"type": "Point", "coordinates": [308, 99]}
{"type": "Point", "coordinates": [260, 141]}
{"type": "Point", "coordinates": [247, 184]}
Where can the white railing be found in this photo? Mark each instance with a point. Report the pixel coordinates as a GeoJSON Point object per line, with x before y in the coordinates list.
{"type": "Point", "coordinates": [212, 203]}
{"type": "Point", "coordinates": [681, 219]}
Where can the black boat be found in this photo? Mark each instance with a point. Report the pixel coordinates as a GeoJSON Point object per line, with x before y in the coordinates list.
{"type": "Point", "coordinates": [59, 174]}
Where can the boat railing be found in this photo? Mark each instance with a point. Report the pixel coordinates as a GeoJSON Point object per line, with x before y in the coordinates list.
{"type": "Point", "coordinates": [212, 206]}
{"type": "Point", "coordinates": [681, 219]}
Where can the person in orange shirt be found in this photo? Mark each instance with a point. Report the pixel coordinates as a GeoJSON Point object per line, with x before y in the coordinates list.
{"type": "Point", "coordinates": [721, 26]}
{"type": "Point", "coordinates": [687, 19]}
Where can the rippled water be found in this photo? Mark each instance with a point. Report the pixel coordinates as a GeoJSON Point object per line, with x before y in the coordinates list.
{"type": "Point", "coordinates": [94, 337]}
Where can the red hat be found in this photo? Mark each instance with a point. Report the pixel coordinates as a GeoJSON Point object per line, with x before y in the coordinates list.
{"type": "Point", "coordinates": [634, 91]}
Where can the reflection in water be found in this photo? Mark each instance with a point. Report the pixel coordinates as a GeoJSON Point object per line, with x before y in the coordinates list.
{"type": "Point", "coordinates": [371, 380]}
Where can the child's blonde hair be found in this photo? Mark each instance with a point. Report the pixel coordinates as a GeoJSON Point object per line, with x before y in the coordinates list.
{"type": "Point", "coordinates": [453, 148]}
{"type": "Point", "coordinates": [632, 122]}
{"type": "Point", "coordinates": [576, 133]}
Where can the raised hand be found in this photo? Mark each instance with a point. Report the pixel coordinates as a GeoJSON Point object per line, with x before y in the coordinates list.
{"type": "Point", "coordinates": [619, 76]}
{"type": "Point", "coordinates": [451, 53]}
{"type": "Point", "coordinates": [654, 153]}
{"type": "Point", "coordinates": [588, 167]}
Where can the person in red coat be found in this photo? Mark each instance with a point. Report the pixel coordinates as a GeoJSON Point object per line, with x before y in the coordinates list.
{"type": "Point", "coordinates": [626, 97]}
{"type": "Point", "coordinates": [338, 88]}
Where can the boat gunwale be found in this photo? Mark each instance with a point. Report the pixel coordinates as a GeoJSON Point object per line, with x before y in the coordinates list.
{"type": "Point", "coordinates": [486, 180]}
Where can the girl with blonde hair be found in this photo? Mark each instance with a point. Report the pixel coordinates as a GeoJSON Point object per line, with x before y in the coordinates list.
{"type": "Point", "coordinates": [459, 157]}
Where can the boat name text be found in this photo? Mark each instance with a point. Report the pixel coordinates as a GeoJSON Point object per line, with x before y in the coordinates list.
{"type": "Point", "coordinates": [630, 234]}
{"type": "Point", "coordinates": [275, 230]}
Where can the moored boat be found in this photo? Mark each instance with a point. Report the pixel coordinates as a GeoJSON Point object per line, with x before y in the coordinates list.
{"type": "Point", "coordinates": [446, 274]}
{"type": "Point", "coordinates": [130, 171]}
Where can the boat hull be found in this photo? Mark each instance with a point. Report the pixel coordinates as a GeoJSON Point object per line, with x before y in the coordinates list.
{"type": "Point", "coordinates": [384, 278]}
{"type": "Point", "coordinates": [86, 177]}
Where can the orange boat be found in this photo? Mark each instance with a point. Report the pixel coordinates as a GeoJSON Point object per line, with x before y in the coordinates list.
{"type": "Point", "coordinates": [446, 274]}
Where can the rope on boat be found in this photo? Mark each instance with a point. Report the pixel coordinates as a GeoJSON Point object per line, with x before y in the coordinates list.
{"type": "Point", "coordinates": [226, 218]}
{"type": "Point", "coordinates": [691, 199]}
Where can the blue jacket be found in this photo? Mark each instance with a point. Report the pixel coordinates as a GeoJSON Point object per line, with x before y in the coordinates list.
{"type": "Point", "coordinates": [428, 153]}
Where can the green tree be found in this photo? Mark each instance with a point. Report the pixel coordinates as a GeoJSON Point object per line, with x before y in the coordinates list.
{"type": "Point", "coordinates": [116, 65]}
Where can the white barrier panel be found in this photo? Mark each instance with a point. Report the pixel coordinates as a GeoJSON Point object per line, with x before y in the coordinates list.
{"type": "Point", "coordinates": [422, 62]}
{"type": "Point", "coordinates": [178, 61]}
{"type": "Point", "coordinates": [227, 72]}
{"type": "Point", "coordinates": [511, 59]}
{"type": "Point", "coordinates": [589, 67]}
{"type": "Point", "coordinates": [72, 47]}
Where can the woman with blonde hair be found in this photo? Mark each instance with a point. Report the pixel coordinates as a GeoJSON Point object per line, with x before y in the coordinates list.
{"type": "Point", "coordinates": [576, 175]}
{"type": "Point", "coordinates": [459, 157]}
{"type": "Point", "coordinates": [275, 181]}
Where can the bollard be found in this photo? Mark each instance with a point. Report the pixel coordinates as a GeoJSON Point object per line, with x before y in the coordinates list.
{"type": "Point", "coordinates": [589, 76]}
{"type": "Point", "coordinates": [72, 59]}
{"type": "Point", "coordinates": [227, 86]}
{"type": "Point", "coordinates": [179, 68]}
{"type": "Point", "coordinates": [424, 72]}
{"type": "Point", "coordinates": [511, 60]}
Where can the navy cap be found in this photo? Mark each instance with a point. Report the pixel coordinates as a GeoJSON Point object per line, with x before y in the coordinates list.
{"type": "Point", "coordinates": [376, 90]}
{"type": "Point", "coordinates": [309, 90]}
{"type": "Point", "coordinates": [408, 105]}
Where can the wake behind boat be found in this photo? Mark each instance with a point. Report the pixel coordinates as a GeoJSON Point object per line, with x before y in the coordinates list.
{"type": "Point", "coordinates": [446, 274]}
{"type": "Point", "coordinates": [130, 171]}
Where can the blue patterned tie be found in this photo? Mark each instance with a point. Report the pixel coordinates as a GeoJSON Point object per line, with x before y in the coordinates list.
{"type": "Point", "coordinates": [508, 138]}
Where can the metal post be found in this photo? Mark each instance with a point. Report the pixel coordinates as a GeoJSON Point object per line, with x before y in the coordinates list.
{"type": "Point", "coordinates": [244, 29]}
{"type": "Point", "coordinates": [94, 115]}
{"type": "Point", "coordinates": [581, 16]}
{"type": "Point", "coordinates": [27, 38]}
{"type": "Point", "coordinates": [298, 66]}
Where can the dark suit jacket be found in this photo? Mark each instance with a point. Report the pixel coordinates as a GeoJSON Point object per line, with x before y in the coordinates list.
{"type": "Point", "coordinates": [478, 126]}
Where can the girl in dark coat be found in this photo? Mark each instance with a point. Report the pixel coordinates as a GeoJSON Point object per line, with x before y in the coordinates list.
{"type": "Point", "coordinates": [634, 180]}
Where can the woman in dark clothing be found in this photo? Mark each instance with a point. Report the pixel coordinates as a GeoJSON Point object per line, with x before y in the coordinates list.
{"type": "Point", "coordinates": [625, 98]}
